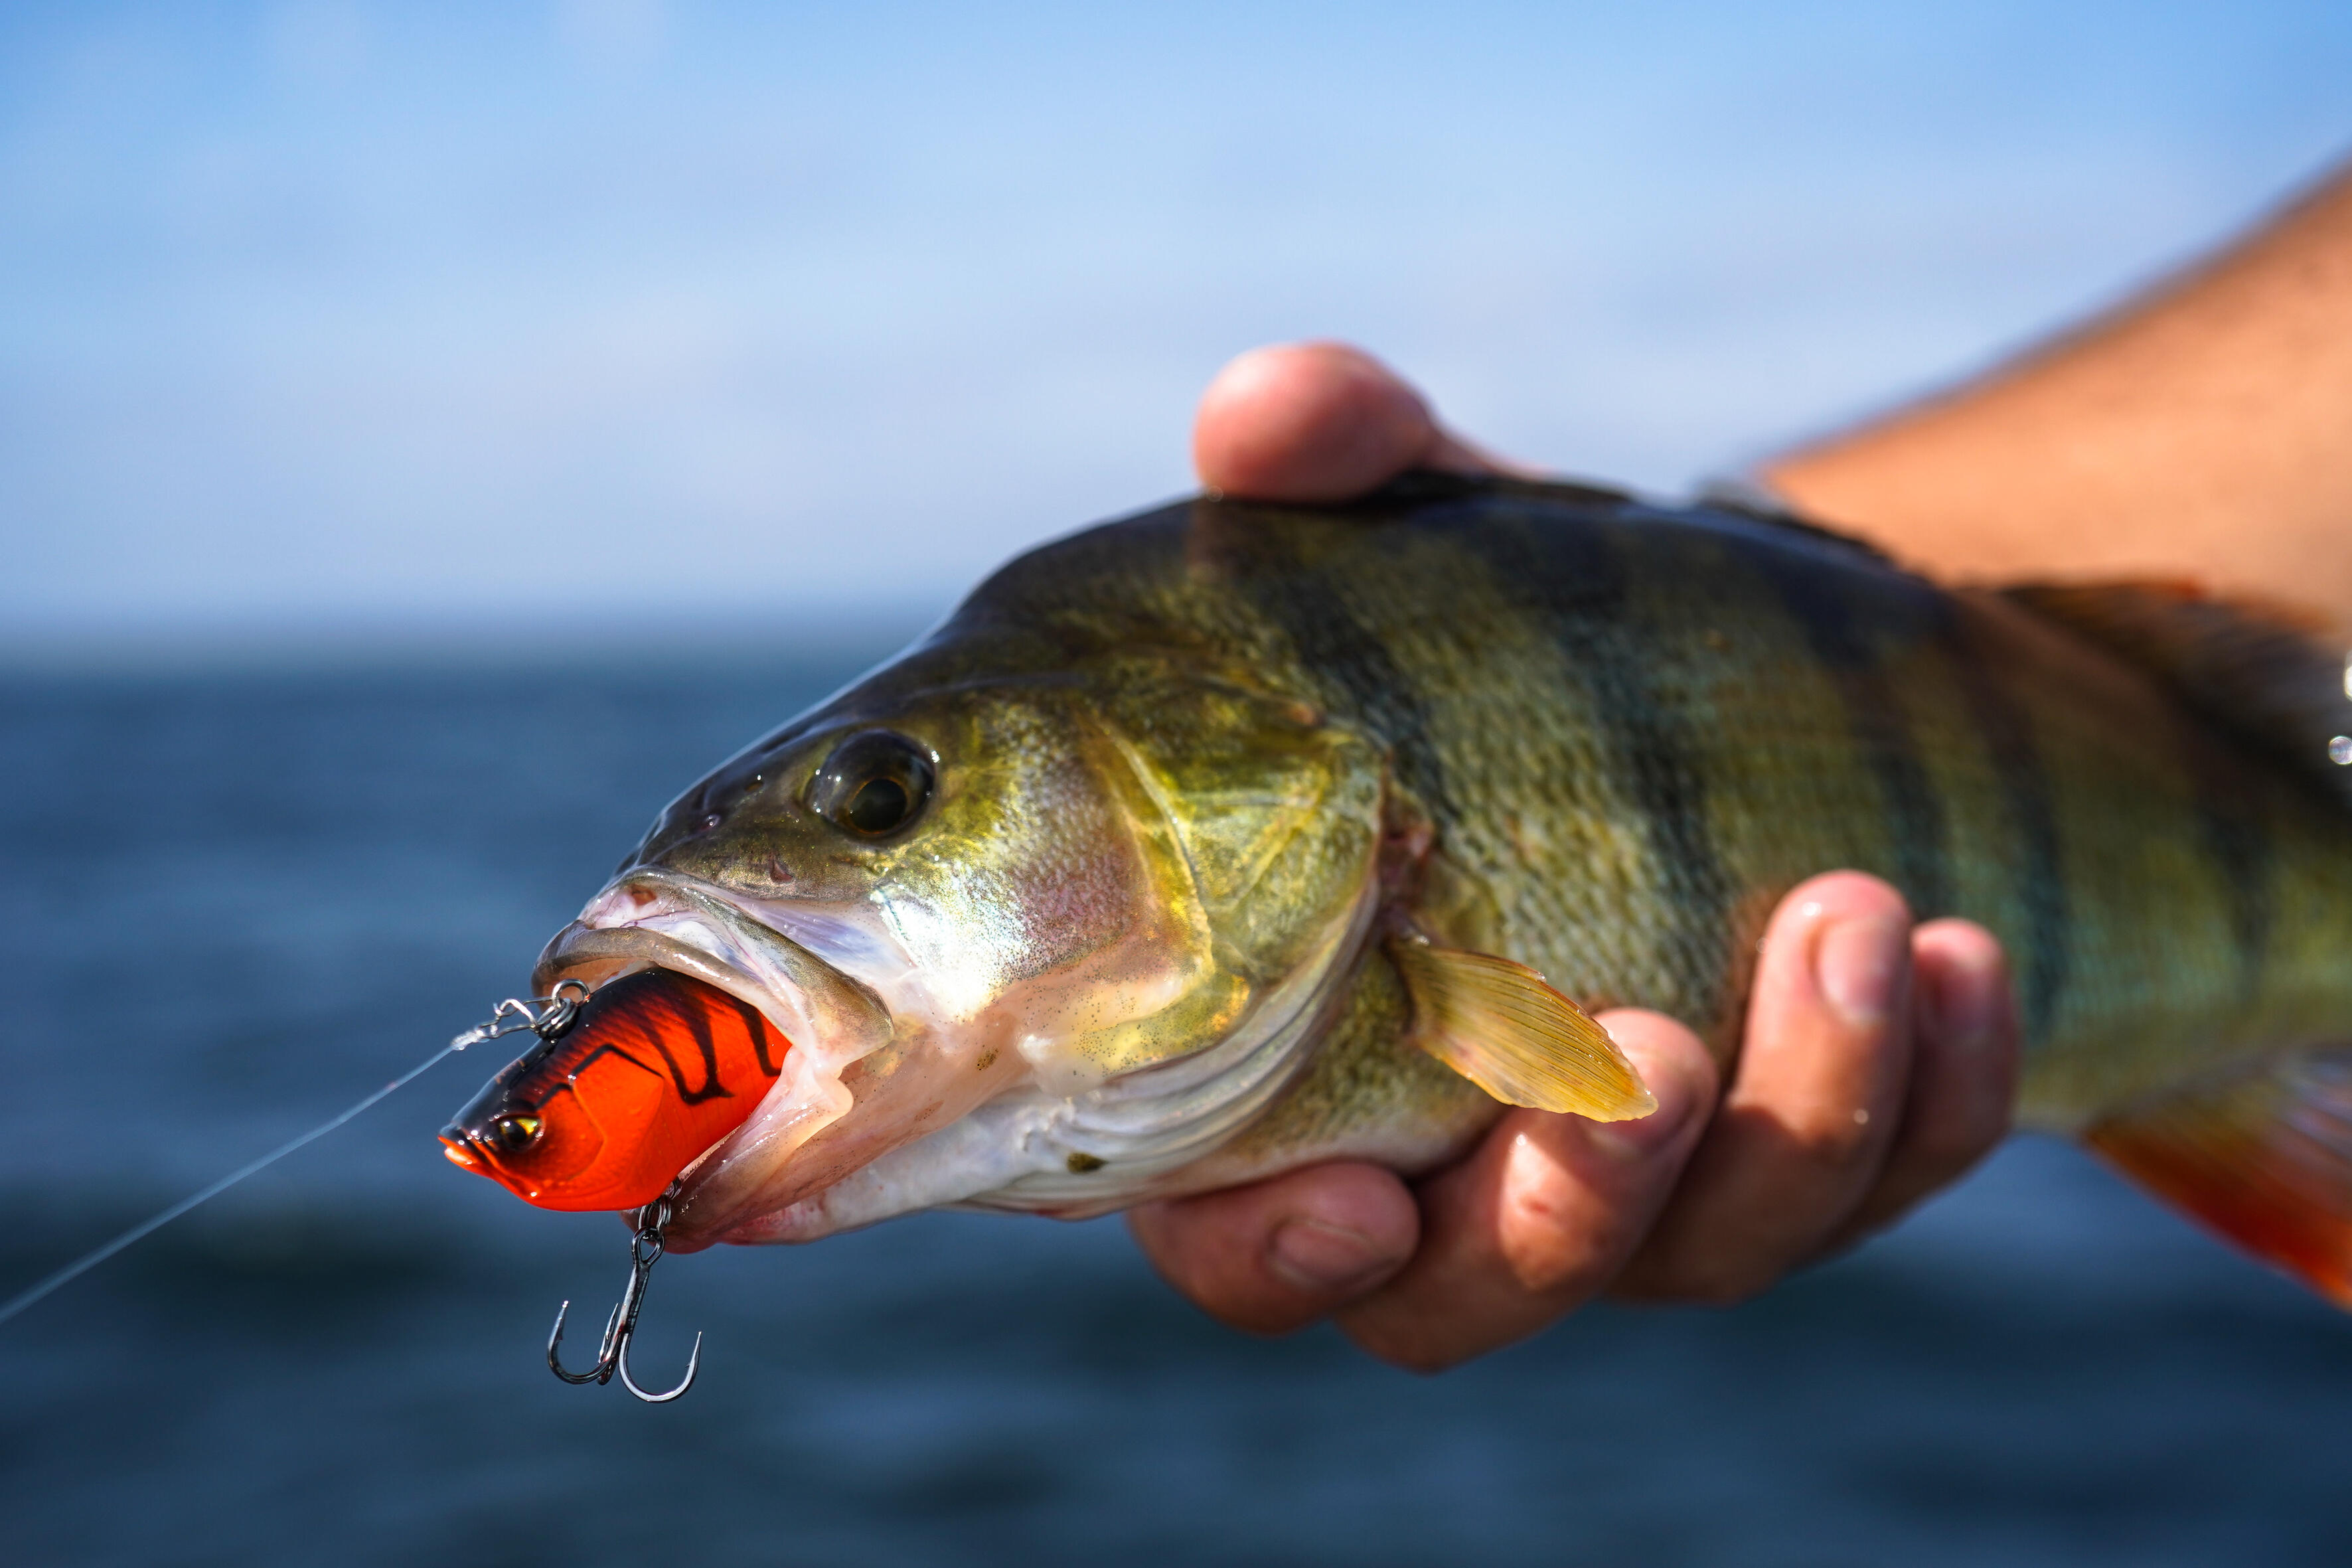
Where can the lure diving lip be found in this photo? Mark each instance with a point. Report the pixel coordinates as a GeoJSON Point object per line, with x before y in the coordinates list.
{"type": "Point", "coordinates": [656, 1069]}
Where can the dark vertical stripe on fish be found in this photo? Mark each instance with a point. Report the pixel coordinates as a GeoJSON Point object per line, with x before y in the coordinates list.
{"type": "Point", "coordinates": [1329, 640]}
{"type": "Point", "coordinates": [2235, 832]}
{"type": "Point", "coordinates": [1816, 594]}
{"type": "Point", "coordinates": [2026, 791]}
{"type": "Point", "coordinates": [1573, 580]}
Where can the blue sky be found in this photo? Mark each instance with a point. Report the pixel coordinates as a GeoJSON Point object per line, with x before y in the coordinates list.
{"type": "Point", "coordinates": [325, 316]}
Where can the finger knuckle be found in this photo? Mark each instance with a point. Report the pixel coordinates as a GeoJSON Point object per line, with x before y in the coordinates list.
{"type": "Point", "coordinates": [1834, 1140]}
{"type": "Point", "coordinates": [1698, 1283]}
{"type": "Point", "coordinates": [1960, 1129]}
{"type": "Point", "coordinates": [1945, 1150]}
{"type": "Point", "coordinates": [1720, 1289]}
{"type": "Point", "coordinates": [1421, 1364]}
{"type": "Point", "coordinates": [1420, 1352]}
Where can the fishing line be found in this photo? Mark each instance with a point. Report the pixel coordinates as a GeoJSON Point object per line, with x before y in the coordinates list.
{"type": "Point", "coordinates": [541, 1015]}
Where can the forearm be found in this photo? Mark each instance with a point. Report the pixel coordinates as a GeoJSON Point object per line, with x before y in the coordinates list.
{"type": "Point", "coordinates": [2203, 431]}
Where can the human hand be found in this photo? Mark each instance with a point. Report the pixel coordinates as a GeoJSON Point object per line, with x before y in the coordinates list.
{"type": "Point", "coordinates": [1879, 1063]}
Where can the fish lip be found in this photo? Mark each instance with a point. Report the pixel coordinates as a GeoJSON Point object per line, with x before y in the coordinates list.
{"type": "Point", "coordinates": [595, 951]}
{"type": "Point", "coordinates": [598, 955]}
{"type": "Point", "coordinates": [831, 1017]}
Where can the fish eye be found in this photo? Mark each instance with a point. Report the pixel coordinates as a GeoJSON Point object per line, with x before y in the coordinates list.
{"type": "Point", "coordinates": [874, 783]}
{"type": "Point", "coordinates": [513, 1134]}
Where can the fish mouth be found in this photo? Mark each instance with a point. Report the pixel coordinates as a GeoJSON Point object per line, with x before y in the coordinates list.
{"type": "Point", "coordinates": [656, 919]}
{"type": "Point", "coordinates": [651, 918]}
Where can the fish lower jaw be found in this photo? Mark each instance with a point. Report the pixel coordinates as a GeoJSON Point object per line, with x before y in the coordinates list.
{"type": "Point", "coordinates": [1130, 1139]}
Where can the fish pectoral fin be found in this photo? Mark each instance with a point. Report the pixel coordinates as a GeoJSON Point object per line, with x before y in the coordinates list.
{"type": "Point", "coordinates": [1500, 1026]}
{"type": "Point", "coordinates": [2266, 1160]}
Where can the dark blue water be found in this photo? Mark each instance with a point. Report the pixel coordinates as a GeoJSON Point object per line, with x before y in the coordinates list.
{"type": "Point", "coordinates": [236, 902]}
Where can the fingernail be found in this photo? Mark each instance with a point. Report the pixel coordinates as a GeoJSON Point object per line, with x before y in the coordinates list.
{"type": "Point", "coordinates": [1857, 963]}
{"type": "Point", "coordinates": [1964, 1006]}
{"type": "Point", "coordinates": [1309, 1255]}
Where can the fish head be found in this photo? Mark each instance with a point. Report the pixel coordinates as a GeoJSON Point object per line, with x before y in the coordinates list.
{"type": "Point", "coordinates": [942, 894]}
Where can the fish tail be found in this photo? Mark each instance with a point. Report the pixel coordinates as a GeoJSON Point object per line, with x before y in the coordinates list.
{"type": "Point", "coordinates": [2264, 1159]}
{"type": "Point", "coordinates": [2261, 1152]}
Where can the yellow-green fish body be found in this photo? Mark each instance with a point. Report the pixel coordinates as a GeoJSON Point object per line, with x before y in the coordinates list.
{"type": "Point", "coordinates": [1185, 795]}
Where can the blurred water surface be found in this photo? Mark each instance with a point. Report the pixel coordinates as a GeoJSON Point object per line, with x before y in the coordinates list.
{"type": "Point", "coordinates": [240, 900]}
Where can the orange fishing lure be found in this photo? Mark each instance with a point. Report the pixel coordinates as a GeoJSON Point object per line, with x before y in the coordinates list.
{"type": "Point", "coordinates": [656, 1069]}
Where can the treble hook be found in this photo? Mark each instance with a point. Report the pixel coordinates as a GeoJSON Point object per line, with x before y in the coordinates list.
{"type": "Point", "coordinates": [612, 1350]}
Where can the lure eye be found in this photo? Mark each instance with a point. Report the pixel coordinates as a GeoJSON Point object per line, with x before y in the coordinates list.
{"type": "Point", "coordinates": [874, 785]}
{"type": "Point", "coordinates": [513, 1134]}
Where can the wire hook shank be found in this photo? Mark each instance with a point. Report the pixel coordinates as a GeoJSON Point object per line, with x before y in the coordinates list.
{"type": "Point", "coordinates": [612, 1350]}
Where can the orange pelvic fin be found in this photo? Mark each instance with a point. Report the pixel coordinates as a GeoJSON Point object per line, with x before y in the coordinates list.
{"type": "Point", "coordinates": [2266, 1160]}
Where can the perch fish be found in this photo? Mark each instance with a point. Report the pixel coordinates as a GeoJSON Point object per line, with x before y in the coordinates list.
{"type": "Point", "coordinates": [1230, 837]}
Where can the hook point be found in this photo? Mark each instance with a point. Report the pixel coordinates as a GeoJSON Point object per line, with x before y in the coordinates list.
{"type": "Point", "coordinates": [612, 1350]}
{"type": "Point", "coordinates": [693, 1364]}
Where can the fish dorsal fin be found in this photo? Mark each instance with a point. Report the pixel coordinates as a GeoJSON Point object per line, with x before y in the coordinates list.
{"type": "Point", "coordinates": [1498, 1024]}
{"type": "Point", "coordinates": [2261, 671]}
{"type": "Point", "coordinates": [2266, 1160]}
{"type": "Point", "coordinates": [1754, 504]}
